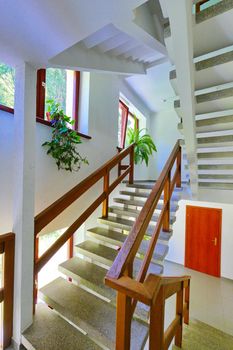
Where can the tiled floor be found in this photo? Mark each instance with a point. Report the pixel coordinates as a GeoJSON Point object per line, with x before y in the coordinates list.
{"type": "Point", "coordinates": [211, 297]}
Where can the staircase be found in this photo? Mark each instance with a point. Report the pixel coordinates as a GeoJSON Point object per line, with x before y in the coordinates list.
{"type": "Point", "coordinates": [200, 336]}
{"type": "Point", "coordinates": [81, 307]}
{"type": "Point", "coordinates": [213, 90]}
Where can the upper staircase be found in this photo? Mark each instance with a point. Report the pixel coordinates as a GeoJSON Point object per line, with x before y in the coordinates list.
{"type": "Point", "coordinates": [213, 92]}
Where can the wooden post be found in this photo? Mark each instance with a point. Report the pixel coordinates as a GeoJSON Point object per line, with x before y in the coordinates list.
{"type": "Point", "coordinates": [166, 200]}
{"type": "Point", "coordinates": [106, 189]}
{"type": "Point", "coordinates": [8, 270]}
{"type": "Point", "coordinates": [179, 312]}
{"type": "Point", "coordinates": [131, 174]}
{"type": "Point", "coordinates": [124, 317]}
{"type": "Point", "coordinates": [178, 164]}
{"type": "Point", "coordinates": [187, 301]}
{"type": "Point", "coordinates": [156, 330]}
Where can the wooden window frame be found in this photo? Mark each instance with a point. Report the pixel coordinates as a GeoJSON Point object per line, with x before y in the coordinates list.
{"type": "Point", "coordinates": [124, 121]}
{"type": "Point", "coordinates": [40, 101]}
{"type": "Point", "coordinates": [125, 116]}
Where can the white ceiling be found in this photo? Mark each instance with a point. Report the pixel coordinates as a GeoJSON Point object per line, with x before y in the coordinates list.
{"type": "Point", "coordinates": [154, 88]}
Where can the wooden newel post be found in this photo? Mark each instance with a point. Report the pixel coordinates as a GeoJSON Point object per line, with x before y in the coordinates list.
{"type": "Point", "coordinates": [131, 159]}
{"type": "Point", "coordinates": [124, 318]}
{"type": "Point", "coordinates": [179, 312]}
{"type": "Point", "coordinates": [166, 221]}
{"type": "Point", "coordinates": [178, 164]}
{"type": "Point", "coordinates": [9, 260]}
{"type": "Point", "coordinates": [187, 301]}
{"type": "Point", "coordinates": [156, 331]}
{"type": "Point", "coordinates": [106, 190]}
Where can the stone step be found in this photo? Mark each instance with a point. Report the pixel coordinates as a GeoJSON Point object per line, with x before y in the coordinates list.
{"type": "Point", "coordinates": [121, 211]}
{"type": "Point", "coordinates": [86, 273]}
{"type": "Point", "coordinates": [211, 176]}
{"type": "Point", "coordinates": [106, 256]}
{"type": "Point", "coordinates": [148, 186]}
{"type": "Point", "coordinates": [51, 332]}
{"type": "Point", "coordinates": [216, 185]}
{"type": "Point", "coordinates": [91, 277]}
{"type": "Point", "coordinates": [175, 196]}
{"type": "Point", "coordinates": [88, 312]}
{"type": "Point", "coordinates": [126, 225]}
{"type": "Point", "coordinates": [141, 203]}
{"type": "Point", "coordinates": [215, 167]}
{"type": "Point", "coordinates": [117, 239]}
{"type": "Point", "coordinates": [215, 161]}
{"type": "Point", "coordinates": [209, 72]}
{"type": "Point", "coordinates": [215, 171]}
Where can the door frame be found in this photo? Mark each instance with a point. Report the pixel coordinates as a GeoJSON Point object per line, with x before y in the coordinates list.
{"type": "Point", "coordinates": [220, 237]}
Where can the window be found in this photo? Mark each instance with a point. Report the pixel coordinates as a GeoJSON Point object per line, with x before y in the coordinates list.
{"type": "Point", "coordinates": [7, 87]}
{"type": "Point", "coordinates": [61, 85]}
{"type": "Point", "coordinates": [126, 120]}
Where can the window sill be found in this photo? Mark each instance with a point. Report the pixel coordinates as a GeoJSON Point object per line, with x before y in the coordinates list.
{"type": "Point", "coordinates": [41, 121]}
{"type": "Point", "coordinates": [6, 109]}
{"type": "Point", "coordinates": [46, 122]}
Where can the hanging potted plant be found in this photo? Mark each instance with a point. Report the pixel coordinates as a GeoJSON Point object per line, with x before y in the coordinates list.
{"type": "Point", "coordinates": [144, 145]}
{"type": "Point", "coordinates": [63, 145]}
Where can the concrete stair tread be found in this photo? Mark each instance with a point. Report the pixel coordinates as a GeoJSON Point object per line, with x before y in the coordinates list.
{"type": "Point", "coordinates": [145, 195]}
{"type": "Point", "coordinates": [91, 275]}
{"type": "Point", "coordinates": [135, 212]}
{"type": "Point", "coordinates": [49, 332]}
{"type": "Point", "coordinates": [201, 336]}
{"type": "Point", "coordinates": [222, 180]}
{"type": "Point", "coordinates": [141, 203]}
{"type": "Point", "coordinates": [106, 255]}
{"type": "Point", "coordinates": [90, 313]}
{"type": "Point", "coordinates": [125, 224]}
{"type": "Point", "coordinates": [118, 238]}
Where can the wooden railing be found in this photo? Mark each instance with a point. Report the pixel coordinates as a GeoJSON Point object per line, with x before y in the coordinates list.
{"type": "Point", "coordinates": [55, 209]}
{"type": "Point", "coordinates": [7, 250]}
{"type": "Point", "coordinates": [143, 288]}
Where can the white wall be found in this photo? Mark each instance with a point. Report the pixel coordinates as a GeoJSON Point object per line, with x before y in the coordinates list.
{"type": "Point", "coordinates": [163, 129]}
{"type": "Point", "coordinates": [177, 242]}
{"type": "Point", "coordinates": [102, 113]}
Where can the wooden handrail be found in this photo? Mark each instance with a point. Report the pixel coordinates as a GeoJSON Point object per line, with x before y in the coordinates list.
{"type": "Point", "coordinates": [56, 208]}
{"type": "Point", "coordinates": [50, 213]}
{"type": "Point", "coordinates": [7, 244]}
{"type": "Point", "coordinates": [151, 290]}
{"type": "Point", "coordinates": [134, 239]}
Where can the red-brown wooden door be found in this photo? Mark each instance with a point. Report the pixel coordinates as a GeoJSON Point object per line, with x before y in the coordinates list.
{"type": "Point", "coordinates": [203, 239]}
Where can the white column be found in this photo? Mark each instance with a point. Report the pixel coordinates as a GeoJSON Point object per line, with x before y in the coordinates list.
{"type": "Point", "coordinates": [24, 189]}
{"type": "Point", "coordinates": [181, 22]}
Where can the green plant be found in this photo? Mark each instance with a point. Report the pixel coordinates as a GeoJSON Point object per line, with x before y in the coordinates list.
{"type": "Point", "coordinates": [144, 145]}
{"type": "Point", "coordinates": [62, 146]}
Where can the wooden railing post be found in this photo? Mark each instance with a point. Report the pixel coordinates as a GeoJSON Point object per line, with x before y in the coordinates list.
{"type": "Point", "coordinates": [9, 257]}
{"type": "Point", "coordinates": [166, 221]}
{"type": "Point", "coordinates": [156, 331]}
{"type": "Point", "coordinates": [106, 190]}
{"type": "Point", "coordinates": [124, 317]}
{"type": "Point", "coordinates": [187, 301]}
{"type": "Point", "coordinates": [179, 312]}
{"type": "Point", "coordinates": [131, 159]}
{"type": "Point", "coordinates": [178, 164]}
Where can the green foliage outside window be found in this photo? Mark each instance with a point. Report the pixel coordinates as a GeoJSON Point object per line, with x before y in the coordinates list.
{"type": "Point", "coordinates": [56, 87]}
{"type": "Point", "coordinates": [7, 85]}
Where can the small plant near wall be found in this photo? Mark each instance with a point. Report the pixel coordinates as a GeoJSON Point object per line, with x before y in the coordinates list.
{"type": "Point", "coordinates": [63, 145]}
{"type": "Point", "coordinates": [144, 145]}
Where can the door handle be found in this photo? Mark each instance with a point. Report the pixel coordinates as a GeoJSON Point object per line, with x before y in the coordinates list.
{"type": "Point", "coordinates": [215, 241]}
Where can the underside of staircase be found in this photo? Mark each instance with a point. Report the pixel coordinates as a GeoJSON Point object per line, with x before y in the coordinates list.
{"type": "Point", "coordinates": [213, 94]}
{"type": "Point", "coordinates": [77, 310]}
